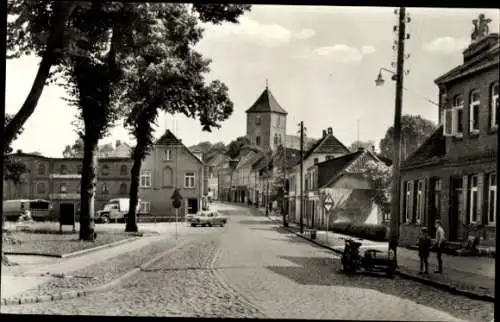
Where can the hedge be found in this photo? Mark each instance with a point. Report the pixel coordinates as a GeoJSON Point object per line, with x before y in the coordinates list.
{"type": "Point", "coordinates": [366, 231]}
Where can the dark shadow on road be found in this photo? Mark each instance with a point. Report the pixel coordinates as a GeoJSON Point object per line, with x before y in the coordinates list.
{"type": "Point", "coordinates": [255, 222]}
{"type": "Point", "coordinates": [326, 271]}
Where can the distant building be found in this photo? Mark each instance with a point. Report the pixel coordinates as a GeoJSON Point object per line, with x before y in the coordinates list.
{"type": "Point", "coordinates": [341, 178]}
{"type": "Point", "coordinates": [58, 180]}
{"type": "Point", "coordinates": [169, 165]}
{"type": "Point", "coordinates": [452, 176]}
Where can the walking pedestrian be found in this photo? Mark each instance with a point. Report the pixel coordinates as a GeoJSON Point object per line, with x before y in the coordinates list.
{"type": "Point", "coordinates": [439, 246]}
{"type": "Point", "coordinates": [424, 247]}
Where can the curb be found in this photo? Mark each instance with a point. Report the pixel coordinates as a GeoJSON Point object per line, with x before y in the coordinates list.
{"type": "Point", "coordinates": [440, 285]}
{"type": "Point", "coordinates": [77, 253]}
{"type": "Point", "coordinates": [89, 291]}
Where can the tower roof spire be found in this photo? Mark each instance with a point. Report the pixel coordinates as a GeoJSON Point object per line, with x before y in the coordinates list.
{"type": "Point", "coordinates": [267, 84]}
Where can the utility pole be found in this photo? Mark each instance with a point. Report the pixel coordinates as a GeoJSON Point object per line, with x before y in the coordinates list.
{"type": "Point", "coordinates": [283, 180]}
{"type": "Point", "coordinates": [301, 177]}
{"type": "Point", "coordinates": [396, 175]}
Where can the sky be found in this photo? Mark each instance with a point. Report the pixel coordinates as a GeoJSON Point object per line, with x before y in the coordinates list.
{"type": "Point", "coordinates": [320, 63]}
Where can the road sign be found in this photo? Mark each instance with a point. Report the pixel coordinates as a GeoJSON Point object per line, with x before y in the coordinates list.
{"type": "Point", "coordinates": [328, 202]}
{"type": "Point", "coordinates": [176, 199]}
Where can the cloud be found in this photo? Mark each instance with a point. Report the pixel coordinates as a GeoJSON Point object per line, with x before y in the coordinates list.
{"type": "Point", "coordinates": [367, 50]}
{"type": "Point", "coordinates": [446, 45]}
{"type": "Point", "coordinates": [340, 53]}
{"type": "Point", "coordinates": [305, 34]}
{"type": "Point", "coordinates": [269, 35]}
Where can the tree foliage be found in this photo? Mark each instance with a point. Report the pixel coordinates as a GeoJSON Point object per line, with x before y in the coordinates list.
{"type": "Point", "coordinates": [379, 177]}
{"type": "Point", "coordinates": [13, 168]}
{"type": "Point", "coordinates": [414, 131]}
{"type": "Point", "coordinates": [235, 147]}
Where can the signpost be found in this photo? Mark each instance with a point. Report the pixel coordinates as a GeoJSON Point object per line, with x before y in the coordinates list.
{"type": "Point", "coordinates": [328, 204]}
{"type": "Point", "coordinates": [177, 203]}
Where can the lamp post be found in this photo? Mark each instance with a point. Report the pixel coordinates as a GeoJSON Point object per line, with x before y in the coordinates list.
{"type": "Point", "coordinates": [396, 175]}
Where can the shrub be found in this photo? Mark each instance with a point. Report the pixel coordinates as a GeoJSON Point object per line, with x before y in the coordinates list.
{"type": "Point", "coordinates": [365, 231]}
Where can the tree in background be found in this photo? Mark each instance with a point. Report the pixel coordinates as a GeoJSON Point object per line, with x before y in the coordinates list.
{"type": "Point", "coordinates": [379, 176]}
{"type": "Point", "coordinates": [167, 74]}
{"type": "Point", "coordinates": [367, 145]}
{"type": "Point", "coordinates": [414, 131]}
{"type": "Point", "coordinates": [235, 147]}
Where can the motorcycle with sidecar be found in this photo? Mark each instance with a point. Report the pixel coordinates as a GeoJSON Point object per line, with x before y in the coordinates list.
{"type": "Point", "coordinates": [373, 260]}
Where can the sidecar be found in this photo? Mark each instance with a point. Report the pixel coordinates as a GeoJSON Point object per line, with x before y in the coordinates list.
{"type": "Point", "coordinates": [375, 260]}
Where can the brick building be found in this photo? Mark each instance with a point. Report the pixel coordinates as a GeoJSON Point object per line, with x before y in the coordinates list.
{"type": "Point", "coordinates": [58, 180]}
{"type": "Point", "coordinates": [452, 175]}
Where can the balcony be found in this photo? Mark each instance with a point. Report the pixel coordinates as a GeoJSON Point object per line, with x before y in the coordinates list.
{"type": "Point", "coordinates": [65, 176]}
{"type": "Point", "coordinates": [64, 196]}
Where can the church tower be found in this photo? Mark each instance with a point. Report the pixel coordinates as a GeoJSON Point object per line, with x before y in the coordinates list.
{"type": "Point", "coordinates": [266, 121]}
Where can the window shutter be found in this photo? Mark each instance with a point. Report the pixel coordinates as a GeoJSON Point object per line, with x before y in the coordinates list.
{"type": "Point", "coordinates": [412, 198]}
{"type": "Point", "coordinates": [465, 200]}
{"type": "Point", "coordinates": [425, 202]}
{"type": "Point", "coordinates": [448, 122]}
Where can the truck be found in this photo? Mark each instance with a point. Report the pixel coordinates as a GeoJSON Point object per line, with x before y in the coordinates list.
{"type": "Point", "coordinates": [115, 210]}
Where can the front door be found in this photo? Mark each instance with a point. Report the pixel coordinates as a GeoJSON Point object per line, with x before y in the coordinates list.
{"type": "Point", "coordinates": [192, 205]}
{"type": "Point", "coordinates": [456, 207]}
{"type": "Point", "coordinates": [433, 206]}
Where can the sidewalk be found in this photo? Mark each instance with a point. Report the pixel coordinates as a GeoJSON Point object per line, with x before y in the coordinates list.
{"type": "Point", "coordinates": [36, 271]}
{"type": "Point", "coordinates": [469, 276]}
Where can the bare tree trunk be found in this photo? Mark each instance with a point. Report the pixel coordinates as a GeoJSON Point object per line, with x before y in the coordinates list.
{"type": "Point", "coordinates": [135, 172]}
{"type": "Point", "coordinates": [88, 189]}
{"type": "Point", "coordinates": [62, 12]}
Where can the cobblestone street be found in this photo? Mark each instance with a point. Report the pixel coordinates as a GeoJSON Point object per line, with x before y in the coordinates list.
{"type": "Point", "coordinates": [252, 268]}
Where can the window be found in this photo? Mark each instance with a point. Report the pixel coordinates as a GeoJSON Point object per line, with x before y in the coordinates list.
{"type": "Point", "coordinates": [145, 181]}
{"type": "Point", "coordinates": [474, 112]}
{"type": "Point", "coordinates": [40, 187]}
{"type": "Point", "coordinates": [78, 187]}
{"type": "Point", "coordinates": [458, 115]}
{"type": "Point", "coordinates": [123, 188]}
{"type": "Point", "coordinates": [167, 155]}
{"type": "Point", "coordinates": [419, 201]}
{"type": "Point", "coordinates": [63, 169]}
{"type": "Point", "coordinates": [329, 157]}
{"type": "Point", "coordinates": [257, 140]}
{"type": "Point", "coordinates": [41, 169]}
{"type": "Point", "coordinates": [436, 204]}
{"type": "Point", "coordinates": [473, 200]}
{"type": "Point", "coordinates": [258, 120]}
{"type": "Point", "coordinates": [407, 202]}
{"type": "Point", "coordinates": [104, 189]}
{"type": "Point", "coordinates": [276, 139]}
{"type": "Point", "coordinates": [189, 180]}
{"type": "Point", "coordinates": [123, 170]}
{"type": "Point", "coordinates": [316, 160]}
{"type": "Point", "coordinates": [145, 207]}
{"type": "Point", "coordinates": [167, 177]}
{"type": "Point", "coordinates": [494, 103]}
{"type": "Point", "coordinates": [63, 188]}
{"type": "Point", "coordinates": [492, 198]}
{"type": "Point", "coordinates": [79, 169]}
{"type": "Point", "coordinates": [105, 170]}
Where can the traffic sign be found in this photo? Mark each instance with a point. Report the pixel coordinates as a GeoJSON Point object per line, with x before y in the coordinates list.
{"type": "Point", "coordinates": [328, 202]}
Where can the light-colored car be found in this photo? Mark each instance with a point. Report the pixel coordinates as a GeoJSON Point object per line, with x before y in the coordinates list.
{"type": "Point", "coordinates": [208, 218]}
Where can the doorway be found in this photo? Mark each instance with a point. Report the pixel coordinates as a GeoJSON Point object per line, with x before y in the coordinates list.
{"type": "Point", "coordinates": [456, 206]}
{"type": "Point", "coordinates": [434, 205]}
{"type": "Point", "coordinates": [192, 204]}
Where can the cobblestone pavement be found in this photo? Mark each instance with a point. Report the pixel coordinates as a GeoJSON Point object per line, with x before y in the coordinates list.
{"type": "Point", "coordinates": [251, 268]}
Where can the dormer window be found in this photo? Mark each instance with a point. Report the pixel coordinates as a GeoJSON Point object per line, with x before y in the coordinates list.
{"type": "Point", "coordinates": [474, 104]}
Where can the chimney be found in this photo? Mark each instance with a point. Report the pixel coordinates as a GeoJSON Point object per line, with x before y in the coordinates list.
{"type": "Point", "coordinates": [19, 151]}
{"type": "Point", "coordinates": [373, 148]}
{"type": "Point", "coordinates": [330, 131]}
{"type": "Point", "coordinates": [361, 148]}
{"type": "Point", "coordinates": [324, 133]}
{"type": "Point", "coordinates": [118, 143]}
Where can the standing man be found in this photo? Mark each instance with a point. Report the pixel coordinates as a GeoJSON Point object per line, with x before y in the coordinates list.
{"type": "Point", "coordinates": [440, 239]}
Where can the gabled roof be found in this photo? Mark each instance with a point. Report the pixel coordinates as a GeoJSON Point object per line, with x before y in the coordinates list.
{"type": "Point", "coordinates": [433, 149]}
{"type": "Point", "coordinates": [263, 160]}
{"type": "Point", "coordinates": [350, 163]}
{"type": "Point", "coordinates": [266, 103]}
{"type": "Point", "coordinates": [293, 142]}
{"type": "Point", "coordinates": [328, 144]}
{"type": "Point", "coordinates": [168, 138]}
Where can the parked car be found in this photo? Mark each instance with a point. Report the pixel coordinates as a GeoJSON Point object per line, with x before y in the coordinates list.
{"type": "Point", "coordinates": [189, 217]}
{"type": "Point", "coordinates": [115, 210]}
{"type": "Point", "coordinates": [208, 218]}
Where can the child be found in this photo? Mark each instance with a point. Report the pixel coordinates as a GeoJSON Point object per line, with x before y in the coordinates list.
{"type": "Point", "coordinates": [424, 246]}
